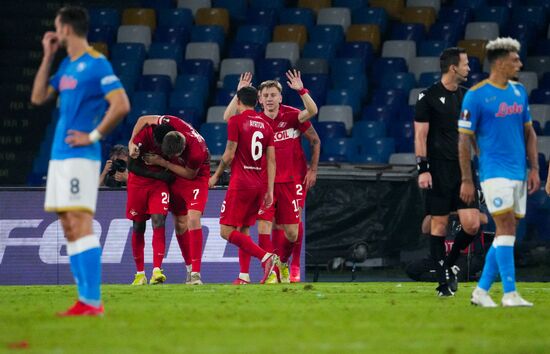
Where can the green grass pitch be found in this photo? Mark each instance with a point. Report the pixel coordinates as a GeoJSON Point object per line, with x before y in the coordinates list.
{"type": "Point", "coordinates": [294, 318]}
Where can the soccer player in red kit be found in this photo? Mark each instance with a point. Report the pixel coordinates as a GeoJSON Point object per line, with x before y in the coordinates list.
{"type": "Point", "coordinates": [148, 197]}
{"type": "Point", "coordinates": [187, 156]}
{"type": "Point", "coordinates": [251, 155]}
{"type": "Point", "coordinates": [286, 122]}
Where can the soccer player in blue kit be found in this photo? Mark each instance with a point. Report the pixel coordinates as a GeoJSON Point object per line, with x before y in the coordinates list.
{"type": "Point", "coordinates": [92, 102]}
{"type": "Point", "coordinates": [495, 113]}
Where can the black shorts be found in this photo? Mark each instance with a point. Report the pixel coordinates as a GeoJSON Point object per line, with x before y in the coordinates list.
{"type": "Point", "coordinates": [444, 196]}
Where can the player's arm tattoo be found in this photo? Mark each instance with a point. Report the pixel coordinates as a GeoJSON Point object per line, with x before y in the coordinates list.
{"type": "Point", "coordinates": [464, 156]}
{"type": "Point", "coordinates": [531, 146]}
{"type": "Point", "coordinates": [315, 144]}
{"type": "Point", "coordinates": [137, 167]}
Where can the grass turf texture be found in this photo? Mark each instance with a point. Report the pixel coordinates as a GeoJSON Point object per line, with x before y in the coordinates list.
{"type": "Point", "coordinates": [295, 318]}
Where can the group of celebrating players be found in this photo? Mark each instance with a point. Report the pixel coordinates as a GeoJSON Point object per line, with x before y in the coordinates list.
{"type": "Point", "coordinates": [169, 170]}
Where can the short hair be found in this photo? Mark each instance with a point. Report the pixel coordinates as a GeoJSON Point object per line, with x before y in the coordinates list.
{"type": "Point", "coordinates": [270, 84]}
{"type": "Point", "coordinates": [77, 17]}
{"type": "Point", "coordinates": [173, 144]}
{"type": "Point", "coordinates": [118, 149]}
{"type": "Point", "coordinates": [450, 56]}
{"type": "Point", "coordinates": [248, 96]}
{"type": "Point", "coordinates": [160, 131]}
{"type": "Point", "coordinates": [501, 47]}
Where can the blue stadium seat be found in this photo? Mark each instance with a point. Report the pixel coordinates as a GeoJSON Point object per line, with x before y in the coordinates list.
{"type": "Point", "coordinates": [383, 66]}
{"type": "Point", "coordinates": [153, 100]}
{"type": "Point", "coordinates": [475, 64]}
{"type": "Point", "coordinates": [381, 147]}
{"type": "Point", "coordinates": [105, 34]}
{"type": "Point", "coordinates": [543, 47]}
{"type": "Point", "coordinates": [546, 130]}
{"type": "Point", "coordinates": [325, 51]}
{"type": "Point", "coordinates": [371, 15]}
{"type": "Point", "coordinates": [189, 82]}
{"type": "Point", "coordinates": [428, 79]}
{"type": "Point", "coordinates": [540, 96]}
{"type": "Point", "coordinates": [327, 34]}
{"type": "Point", "coordinates": [390, 97]}
{"type": "Point", "coordinates": [498, 14]}
{"type": "Point", "coordinates": [339, 149]}
{"type": "Point", "coordinates": [224, 96]}
{"type": "Point", "coordinates": [261, 17]}
{"type": "Point", "coordinates": [523, 32]}
{"type": "Point", "coordinates": [236, 8]}
{"type": "Point", "coordinates": [176, 18]}
{"type": "Point", "coordinates": [475, 78]}
{"type": "Point", "coordinates": [361, 50]}
{"type": "Point", "coordinates": [459, 15]}
{"type": "Point", "coordinates": [351, 4]}
{"type": "Point", "coordinates": [128, 51]}
{"type": "Point", "coordinates": [213, 34]}
{"type": "Point", "coordinates": [271, 4]}
{"type": "Point", "coordinates": [104, 17]}
{"type": "Point", "coordinates": [171, 34]}
{"type": "Point", "coordinates": [408, 32]}
{"type": "Point", "coordinates": [402, 81]}
{"type": "Point", "coordinates": [545, 81]}
{"type": "Point", "coordinates": [155, 83]}
{"type": "Point", "coordinates": [345, 97]}
{"type": "Point", "coordinates": [403, 133]}
{"type": "Point", "coordinates": [166, 51]}
{"type": "Point", "coordinates": [431, 48]}
{"type": "Point", "coordinates": [253, 34]}
{"type": "Point", "coordinates": [330, 130]}
{"type": "Point", "coordinates": [538, 128]}
{"type": "Point", "coordinates": [268, 69]}
{"type": "Point", "coordinates": [202, 67]}
{"type": "Point", "coordinates": [297, 16]}
{"type": "Point", "coordinates": [406, 114]}
{"type": "Point", "coordinates": [188, 114]}
{"type": "Point", "coordinates": [445, 31]}
{"type": "Point", "coordinates": [345, 66]}
{"type": "Point", "coordinates": [369, 129]}
{"type": "Point", "coordinates": [129, 82]}
{"type": "Point", "coordinates": [381, 113]}
{"type": "Point", "coordinates": [231, 81]}
{"type": "Point", "coordinates": [130, 68]}
{"type": "Point", "coordinates": [533, 14]}
{"type": "Point", "coordinates": [250, 50]}
{"type": "Point", "coordinates": [214, 131]}
{"type": "Point", "coordinates": [317, 84]}
{"type": "Point", "coordinates": [157, 4]}
{"type": "Point", "coordinates": [356, 82]}
{"type": "Point", "coordinates": [190, 99]}
{"type": "Point", "coordinates": [471, 4]}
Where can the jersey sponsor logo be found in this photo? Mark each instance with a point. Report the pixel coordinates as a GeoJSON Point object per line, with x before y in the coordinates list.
{"type": "Point", "coordinates": [421, 96]}
{"type": "Point", "coordinates": [255, 124]}
{"type": "Point", "coordinates": [67, 83]}
{"type": "Point", "coordinates": [505, 110]}
{"type": "Point", "coordinates": [289, 133]}
{"type": "Point", "coordinates": [109, 79]}
{"type": "Point", "coordinates": [442, 99]}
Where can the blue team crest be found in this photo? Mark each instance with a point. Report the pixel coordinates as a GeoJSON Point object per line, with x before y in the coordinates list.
{"type": "Point", "coordinates": [497, 202]}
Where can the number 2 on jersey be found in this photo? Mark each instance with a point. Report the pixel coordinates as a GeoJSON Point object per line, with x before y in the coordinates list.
{"type": "Point", "coordinates": [256, 147]}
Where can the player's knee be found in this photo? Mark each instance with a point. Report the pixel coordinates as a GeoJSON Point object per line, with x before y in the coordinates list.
{"type": "Point", "coordinates": [139, 226]}
{"type": "Point", "coordinates": [292, 235]}
{"type": "Point", "coordinates": [181, 227]}
{"type": "Point", "coordinates": [225, 233]}
{"type": "Point", "coordinates": [471, 227]}
{"type": "Point", "coordinates": [194, 223]}
{"type": "Point", "coordinates": [158, 220]}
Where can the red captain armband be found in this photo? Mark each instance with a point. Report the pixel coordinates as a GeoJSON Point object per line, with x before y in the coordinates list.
{"type": "Point", "coordinates": [303, 91]}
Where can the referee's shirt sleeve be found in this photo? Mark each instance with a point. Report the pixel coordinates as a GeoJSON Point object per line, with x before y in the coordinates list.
{"type": "Point", "coordinates": [422, 108]}
{"type": "Point", "coordinates": [469, 114]}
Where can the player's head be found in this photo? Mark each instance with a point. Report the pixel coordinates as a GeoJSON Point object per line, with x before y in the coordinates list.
{"type": "Point", "coordinates": [71, 21]}
{"type": "Point", "coordinates": [270, 95]}
{"type": "Point", "coordinates": [173, 144]}
{"type": "Point", "coordinates": [454, 61]}
{"type": "Point", "coordinates": [503, 57]}
{"type": "Point", "coordinates": [160, 131]}
{"type": "Point", "coordinates": [247, 97]}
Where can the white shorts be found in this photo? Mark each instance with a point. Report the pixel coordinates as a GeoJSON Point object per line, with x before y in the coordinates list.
{"type": "Point", "coordinates": [72, 185]}
{"type": "Point", "coordinates": [504, 195]}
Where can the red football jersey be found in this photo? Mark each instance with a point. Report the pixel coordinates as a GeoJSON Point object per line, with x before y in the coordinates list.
{"type": "Point", "coordinates": [196, 154]}
{"type": "Point", "coordinates": [285, 127]}
{"type": "Point", "coordinates": [146, 142]}
{"type": "Point", "coordinates": [253, 135]}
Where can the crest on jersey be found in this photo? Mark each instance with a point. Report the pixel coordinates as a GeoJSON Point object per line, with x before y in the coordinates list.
{"type": "Point", "coordinates": [281, 125]}
{"type": "Point", "coordinates": [442, 99]}
{"type": "Point", "coordinates": [80, 67]}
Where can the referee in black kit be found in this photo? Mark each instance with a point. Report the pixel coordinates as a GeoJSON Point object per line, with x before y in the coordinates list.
{"type": "Point", "coordinates": [436, 148]}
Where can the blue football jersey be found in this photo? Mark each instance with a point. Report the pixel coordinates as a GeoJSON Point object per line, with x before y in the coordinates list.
{"type": "Point", "coordinates": [498, 116]}
{"type": "Point", "coordinates": [83, 85]}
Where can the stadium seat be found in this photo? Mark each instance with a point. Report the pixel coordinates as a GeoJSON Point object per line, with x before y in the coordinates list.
{"type": "Point", "coordinates": [435, 4]}
{"type": "Point", "coordinates": [361, 50]}
{"type": "Point", "coordinates": [543, 144]}
{"type": "Point", "coordinates": [254, 34]}
{"type": "Point", "coordinates": [364, 33]}
{"type": "Point", "coordinates": [224, 96]}
{"type": "Point", "coordinates": [383, 66]}
{"type": "Point", "coordinates": [166, 51]}
{"type": "Point", "coordinates": [392, 7]}
{"type": "Point", "coordinates": [272, 4]}
{"type": "Point", "coordinates": [542, 48]}
{"type": "Point", "coordinates": [191, 99]}
{"type": "Point", "coordinates": [157, 4]}
{"type": "Point", "coordinates": [312, 66]}
{"type": "Point", "coordinates": [215, 114]}
{"type": "Point", "coordinates": [317, 85]}
{"type": "Point", "coordinates": [215, 135]}
{"type": "Point", "coordinates": [202, 67]}
{"type": "Point", "coordinates": [335, 16]}
{"type": "Point", "coordinates": [325, 51]}
{"type": "Point", "coordinates": [345, 97]}
{"type": "Point", "coordinates": [529, 79]}
{"type": "Point", "coordinates": [236, 66]}
{"type": "Point", "coordinates": [545, 81]}
{"type": "Point", "coordinates": [175, 35]}
{"type": "Point", "coordinates": [458, 15]}
{"type": "Point", "coordinates": [368, 129]}
{"type": "Point", "coordinates": [129, 82]}
{"type": "Point", "coordinates": [214, 34]}
{"type": "Point", "coordinates": [337, 113]}
{"type": "Point", "coordinates": [537, 127]}
{"type": "Point", "coordinates": [472, 4]}
{"type": "Point", "coordinates": [402, 81]}
{"type": "Point", "coordinates": [421, 15]}
{"type": "Point", "coordinates": [400, 49]}
{"type": "Point", "coordinates": [382, 113]}
{"type": "Point", "coordinates": [357, 82]}
{"type": "Point", "coordinates": [189, 82]}
{"type": "Point", "coordinates": [408, 31]}
{"type": "Point", "coordinates": [371, 16]}
{"type": "Point", "coordinates": [297, 16]}
{"type": "Point", "coordinates": [475, 78]}
{"type": "Point", "coordinates": [380, 147]}
{"type": "Point", "coordinates": [532, 14]}
{"type": "Point", "coordinates": [204, 50]}
{"type": "Point", "coordinates": [103, 34]}
{"type": "Point", "coordinates": [327, 34]}
{"type": "Point", "coordinates": [283, 50]}
{"type": "Point", "coordinates": [350, 4]}
{"type": "Point", "coordinates": [194, 5]}
{"type": "Point", "coordinates": [403, 158]}
{"type": "Point", "coordinates": [161, 67]}
{"type": "Point", "coordinates": [346, 66]}
{"type": "Point", "coordinates": [546, 130]}
{"type": "Point", "coordinates": [390, 97]}
{"type": "Point", "coordinates": [421, 65]}
{"type": "Point", "coordinates": [250, 50]}
{"type": "Point", "coordinates": [432, 48]}
{"type": "Point", "coordinates": [108, 17]}
{"type": "Point", "coordinates": [187, 114]}
{"type": "Point", "coordinates": [269, 69]}
{"type": "Point", "coordinates": [213, 17]}
{"type": "Point", "coordinates": [261, 17]}
{"type": "Point", "coordinates": [524, 32]}
{"type": "Point", "coordinates": [340, 148]}
{"type": "Point", "coordinates": [497, 14]}
{"type": "Point", "coordinates": [475, 64]}
{"type": "Point", "coordinates": [474, 48]}
{"type": "Point", "coordinates": [428, 79]}
{"type": "Point", "coordinates": [155, 83]}
{"type": "Point", "coordinates": [140, 17]}
{"type": "Point", "coordinates": [482, 30]}
{"type": "Point", "coordinates": [403, 134]}
{"type": "Point", "coordinates": [128, 51]}
{"type": "Point", "coordinates": [231, 81]}
{"type": "Point", "coordinates": [445, 31]}
{"type": "Point", "coordinates": [155, 101]}
{"type": "Point", "coordinates": [540, 65]}
{"type": "Point", "coordinates": [414, 94]}
{"type": "Point", "coordinates": [176, 18]}
{"type": "Point", "coordinates": [540, 96]}
{"type": "Point", "coordinates": [540, 112]}
{"type": "Point", "coordinates": [315, 5]}
{"type": "Point", "coordinates": [127, 67]}
{"type": "Point", "coordinates": [236, 8]}
{"type": "Point", "coordinates": [100, 47]}
{"type": "Point", "coordinates": [290, 33]}
{"type": "Point", "coordinates": [134, 34]}
{"type": "Point", "coordinates": [328, 130]}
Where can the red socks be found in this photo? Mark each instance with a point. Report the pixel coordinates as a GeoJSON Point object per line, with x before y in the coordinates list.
{"type": "Point", "coordinates": [244, 261]}
{"type": "Point", "coordinates": [278, 237]}
{"type": "Point", "coordinates": [196, 249]}
{"type": "Point", "coordinates": [297, 251]}
{"type": "Point", "coordinates": [245, 243]}
{"type": "Point", "coordinates": [264, 241]}
{"type": "Point", "coordinates": [138, 245]}
{"type": "Point", "coordinates": [159, 246]}
{"type": "Point", "coordinates": [184, 241]}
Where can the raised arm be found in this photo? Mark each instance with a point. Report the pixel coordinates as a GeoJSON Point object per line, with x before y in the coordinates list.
{"type": "Point", "coordinates": [533, 180]}
{"type": "Point", "coordinates": [41, 90]}
{"type": "Point", "coordinates": [295, 83]}
{"type": "Point", "coordinates": [231, 109]}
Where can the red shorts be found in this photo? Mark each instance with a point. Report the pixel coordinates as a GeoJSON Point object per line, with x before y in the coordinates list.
{"type": "Point", "coordinates": [240, 207]}
{"type": "Point", "coordinates": [301, 192]}
{"type": "Point", "coordinates": [145, 200]}
{"type": "Point", "coordinates": [188, 194]}
{"type": "Point", "coordinates": [285, 207]}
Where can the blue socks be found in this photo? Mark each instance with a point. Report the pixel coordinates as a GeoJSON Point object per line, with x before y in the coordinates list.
{"type": "Point", "coordinates": [490, 269]}
{"type": "Point", "coordinates": [85, 258]}
{"type": "Point", "coordinates": [500, 259]}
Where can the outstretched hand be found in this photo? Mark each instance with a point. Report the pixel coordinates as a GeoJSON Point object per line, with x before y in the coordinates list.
{"type": "Point", "coordinates": [294, 80]}
{"type": "Point", "coordinates": [245, 80]}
